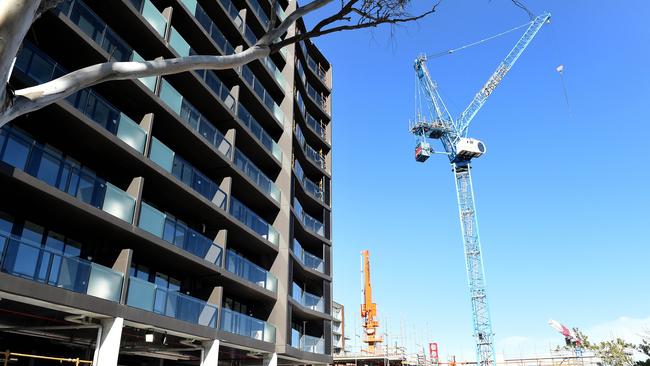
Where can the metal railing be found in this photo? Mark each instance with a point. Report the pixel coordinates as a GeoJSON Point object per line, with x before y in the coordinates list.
{"type": "Point", "coordinates": [25, 259]}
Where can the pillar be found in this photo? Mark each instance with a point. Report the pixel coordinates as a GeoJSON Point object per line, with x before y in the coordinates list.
{"type": "Point", "coordinates": [271, 361]}
{"type": "Point", "coordinates": [107, 348]}
{"type": "Point", "coordinates": [210, 354]}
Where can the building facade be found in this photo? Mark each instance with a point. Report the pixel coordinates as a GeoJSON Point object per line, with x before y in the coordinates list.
{"type": "Point", "coordinates": [183, 219]}
{"type": "Point", "coordinates": [338, 329]}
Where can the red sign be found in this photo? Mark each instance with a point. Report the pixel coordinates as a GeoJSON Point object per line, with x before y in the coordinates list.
{"type": "Point", "coordinates": [433, 351]}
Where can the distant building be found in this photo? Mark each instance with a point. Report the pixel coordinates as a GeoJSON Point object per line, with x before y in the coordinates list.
{"type": "Point", "coordinates": [338, 328]}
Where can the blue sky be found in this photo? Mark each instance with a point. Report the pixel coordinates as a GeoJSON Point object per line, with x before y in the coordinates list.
{"type": "Point", "coordinates": [562, 199]}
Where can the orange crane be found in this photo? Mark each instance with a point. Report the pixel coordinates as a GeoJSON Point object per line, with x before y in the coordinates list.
{"type": "Point", "coordinates": [370, 323]}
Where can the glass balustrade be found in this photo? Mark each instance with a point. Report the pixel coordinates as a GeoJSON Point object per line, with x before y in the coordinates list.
{"type": "Point", "coordinates": [149, 81]}
{"type": "Point", "coordinates": [317, 97]}
{"type": "Point", "coordinates": [250, 271]}
{"type": "Point", "coordinates": [250, 36]}
{"type": "Point", "coordinates": [25, 259]}
{"type": "Point", "coordinates": [254, 173]}
{"type": "Point", "coordinates": [312, 344]}
{"type": "Point", "coordinates": [209, 26]}
{"type": "Point", "coordinates": [306, 299]}
{"type": "Point", "coordinates": [261, 15]}
{"type": "Point", "coordinates": [312, 122]}
{"type": "Point", "coordinates": [313, 189]}
{"type": "Point", "coordinates": [151, 297]}
{"type": "Point", "coordinates": [261, 92]}
{"type": "Point", "coordinates": [309, 222]}
{"type": "Point", "coordinates": [218, 87]}
{"type": "Point", "coordinates": [309, 151]}
{"type": "Point", "coordinates": [174, 231]}
{"type": "Point", "coordinates": [247, 326]}
{"type": "Point", "coordinates": [36, 67]}
{"type": "Point", "coordinates": [258, 131]}
{"type": "Point", "coordinates": [186, 173]}
{"type": "Point", "coordinates": [194, 119]}
{"type": "Point", "coordinates": [233, 13]}
{"type": "Point", "coordinates": [178, 43]}
{"type": "Point", "coordinates": [249, 218]}
{"type": "Point", "coordinates": [57, 170]}
{"type": "Point", "coordinates": [306, 258]}
{"type": "Point", "coordinates": [275, 71]}
{"type": "Point", "coordinates": [94, 27]}
{"type": "Point", "coordinates": [151, 15]}
{"type": "Point", "coordinates": [316, 68]}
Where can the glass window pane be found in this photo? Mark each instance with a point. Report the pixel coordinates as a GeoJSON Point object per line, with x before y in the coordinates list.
{"type": "Point", "coordinates": [6, 223]}
{"type": "Point", "coordinates": [16, 151]}
{"type": "Point", "coordinates": [32, 233]}
{"type": "Point", "coordinates": [48, 168]}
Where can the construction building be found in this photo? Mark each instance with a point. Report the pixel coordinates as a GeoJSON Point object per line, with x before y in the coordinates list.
{"type": "Point", "coordinates": [183, 219]}
{"type": "Point", "coordinates": [338, 328]}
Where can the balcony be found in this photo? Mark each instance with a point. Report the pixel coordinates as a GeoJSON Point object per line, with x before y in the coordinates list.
{"type": "Point", "coordinates": [247, 326]}
{"type": "Point", "coordinates": [178, 233]}
{"type": "Point", "coordinates": [307, 300]}
{"type": "Point", "coordinates": [209, 26]}
{"type": "Point", "coordinates": [313, 155]}
{"type": "Point", "coordinates": [95, 28]}
{"type": "Point", "coordinates": [309, 222]}
{"type": "Point", "coordinates": [261, 92]}
{"type": "Point", "coordinates": [256, 175]}
{"type": "Point", "coordinates": [307, 259]}
{"type": "Point", "coordinates": [307, 343]}
{"type": "Point", "coordinates": [249, 218]}
{"type": "Point", "coordinates": [315, 125]}
{"type": "Point", "coordinates": [250, 271]}
{"type": "Point", "coordinates": [258, 131]}
{"type": "Point", "coordinates": [21, 258]}
{"type": "Point", "coordinates": [186, 173]}
{"type": "Point", "coordinates": [310, 187]}
{"type": "Point", "coordinates": [36, 67]}
{"type": "Point", "coordinates": [53, 168]}
{"type": "Point", "coordinates": [150, 297]}
{"type": "Point", "coordinates": [194, 119]}
{"type": "Point", "coordinates": [152, 15]}
{"type": "Point", "coordinates": [314, 66]}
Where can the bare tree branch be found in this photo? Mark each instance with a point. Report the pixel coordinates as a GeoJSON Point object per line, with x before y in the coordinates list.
{"type": "Point", "coordinates": [368, 13]}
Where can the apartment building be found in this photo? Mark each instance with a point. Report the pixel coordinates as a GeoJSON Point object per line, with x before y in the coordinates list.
{"type": "Point", "coordinates": [183, 219]}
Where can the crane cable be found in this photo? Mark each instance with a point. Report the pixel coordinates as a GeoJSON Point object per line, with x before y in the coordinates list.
{"type": "Point", "coordinates": [443, 53]}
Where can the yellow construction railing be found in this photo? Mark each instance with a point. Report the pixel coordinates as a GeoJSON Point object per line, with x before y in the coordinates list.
{"type": "Point", "coordinates": [76, 361]}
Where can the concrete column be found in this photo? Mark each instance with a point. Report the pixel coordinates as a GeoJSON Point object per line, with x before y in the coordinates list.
{"type": "Point", "coordinates": [270, 361]}
{"type": "Point", "coordinates": [147, 125]}
{"type": "Point", "coordinates": [216, 299]}
{"type": "Point", "coordinates": [226, 187]}
{"type": "Point", "coordinates": [220, 240]}
{"type": "Point", "coordinates": [135, 190]}
{"type": "Point", "coordinates": [107, 349]}
{"type": "Point", "coordinates": [230, 137]}
{"type": "Point", "coordinates": [210, 353]}
{"type": "Point", "coordinates": [123, 264]}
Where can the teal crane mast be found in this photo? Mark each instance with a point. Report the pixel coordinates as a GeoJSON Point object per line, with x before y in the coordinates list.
{"type": "Point", "coordinates": [460, 149]}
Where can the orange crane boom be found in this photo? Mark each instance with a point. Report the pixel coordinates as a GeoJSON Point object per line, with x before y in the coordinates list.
{"type": "Point", "coordinates": [368, 308]}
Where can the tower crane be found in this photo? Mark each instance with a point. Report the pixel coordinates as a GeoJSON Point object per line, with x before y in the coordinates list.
{"type": "Point", "coordinates": [370, 323]}
{"type": "Point", "coordinates": [461, 150]}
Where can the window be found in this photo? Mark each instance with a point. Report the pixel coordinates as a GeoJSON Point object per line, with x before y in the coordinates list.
{"type": "Point", "coordinates": [47, 169]}
{"type": "Point", "coordinates": [16, 150]}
